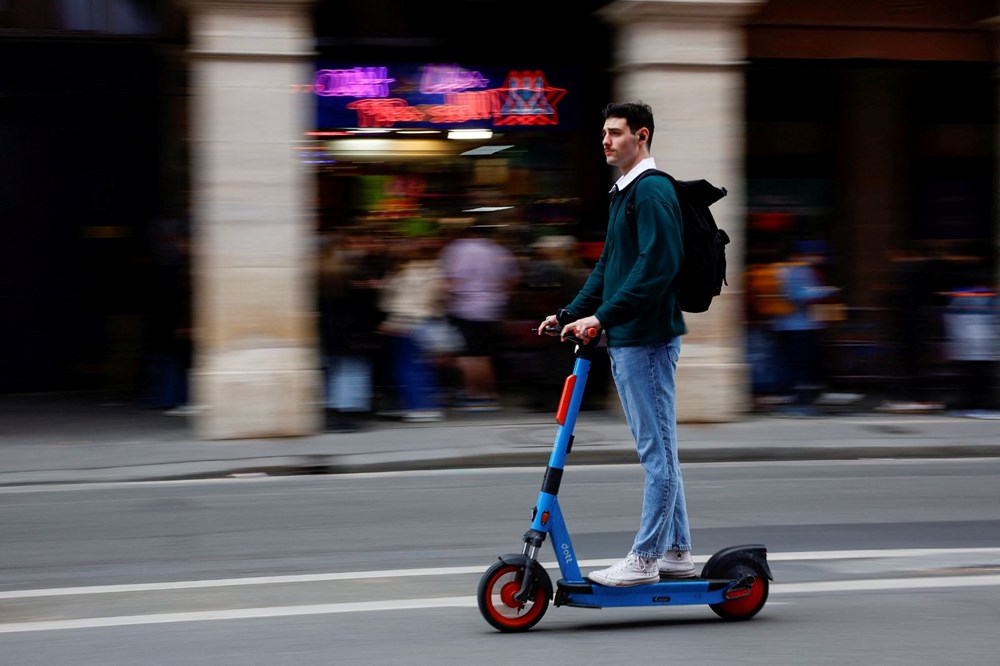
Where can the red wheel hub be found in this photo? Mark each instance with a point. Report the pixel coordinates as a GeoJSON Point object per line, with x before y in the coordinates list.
{"type": "Point", "coordinates": [507, 593]}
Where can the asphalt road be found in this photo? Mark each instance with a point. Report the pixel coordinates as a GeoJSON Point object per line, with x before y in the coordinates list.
{"type": "Point", "coordinates": [878, 561]}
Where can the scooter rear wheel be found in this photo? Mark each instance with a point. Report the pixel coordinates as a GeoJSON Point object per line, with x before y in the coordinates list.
{"type": "Point", "coordinates": [745, 607]}
{"type": "Point", "coordinates": [497, 603]}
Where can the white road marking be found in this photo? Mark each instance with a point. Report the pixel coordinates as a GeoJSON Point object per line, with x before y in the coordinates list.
{"type": "Point", "coordinates": [238, 614]}
{"type": "Point", "coordinates": [457, 571]}
{"type": "Point", "coordinates": [908, 584]}
{"type": "Point", "coordinates": [919, 583]}
{"type": "Point", "coordinates": [877, 554]}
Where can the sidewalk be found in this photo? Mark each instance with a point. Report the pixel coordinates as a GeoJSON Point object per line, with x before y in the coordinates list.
{"type": "Point", "coordinates": [57, 440]}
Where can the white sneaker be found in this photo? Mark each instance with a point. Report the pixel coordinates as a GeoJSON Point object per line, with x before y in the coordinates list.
{"type": "Point", "coordinates": [633, 570]}
{"type": "Point", "coordinates": [676, 564]}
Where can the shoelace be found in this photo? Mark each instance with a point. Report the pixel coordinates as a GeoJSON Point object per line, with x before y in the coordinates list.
{"type": "Point", "coordinates": [633, 561]}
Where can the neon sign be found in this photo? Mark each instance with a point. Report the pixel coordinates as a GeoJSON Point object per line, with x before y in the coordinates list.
{"type": "Point", "coordinates": [445, 95]}
{"type": "Point", "coordinates": [449, 79]}
{"type": "Point", "coordinates": [458, 108]}
{"type": "Point", "coordinates": [528, 100]}
{"type": "Point", "coordinates": [354, 82]}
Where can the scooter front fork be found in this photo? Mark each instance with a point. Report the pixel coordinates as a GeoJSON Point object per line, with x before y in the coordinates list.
{"type": "Point", "coordinates": [533, 541]}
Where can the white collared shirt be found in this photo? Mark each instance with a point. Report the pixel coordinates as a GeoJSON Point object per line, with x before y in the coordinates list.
{"type": "Point", "coordinates": [643, 165]}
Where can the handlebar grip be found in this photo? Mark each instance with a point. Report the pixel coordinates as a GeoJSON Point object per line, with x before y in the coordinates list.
{"type": "Point", "coordinates": [556, 331]}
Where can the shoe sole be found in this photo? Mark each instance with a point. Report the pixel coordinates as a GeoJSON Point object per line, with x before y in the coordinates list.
{"type": "Point", "coordinates": [629, 583]}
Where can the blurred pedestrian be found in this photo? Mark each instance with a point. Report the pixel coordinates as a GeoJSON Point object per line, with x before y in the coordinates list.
{"type": "Point", "coordinates": [765, 302]}
{"type": "Point", "coordinates": [972, 342]}
{"type": "Point", "coordinates": [480, 275]}
{"type": "Point", "coordinates": [552, 274]}
{"type": "Point", "coordinates": [350, 273]}
{"type": "Point", "coordinates": [413, 295]}
{"type": "Point", "coordinates": [797, 332]}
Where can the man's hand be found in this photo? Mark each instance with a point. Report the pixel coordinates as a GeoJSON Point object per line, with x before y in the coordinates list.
{"type": "Point", "coordinates": [580, 326]}
{"type": "Point", "coordinates": [550, 322]}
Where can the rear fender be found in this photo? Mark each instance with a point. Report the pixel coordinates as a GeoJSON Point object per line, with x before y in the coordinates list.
{"type": "Point", "coordinates": [720, 564]}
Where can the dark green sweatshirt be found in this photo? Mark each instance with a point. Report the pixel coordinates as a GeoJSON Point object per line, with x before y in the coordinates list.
{"type": "Point", "coordinates": [630, 290]}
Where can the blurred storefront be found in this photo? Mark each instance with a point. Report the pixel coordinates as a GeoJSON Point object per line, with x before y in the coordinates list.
{"type": "Point", "coordinates": [379, 95]}
{"type": "Point", "coordinates": [413, 153]}
{"type": "Point", "coordinates": [872, 137]}
{"type": "Point", "coordinates": [864, 131]}
{"type": "Point", "coordinates": [402, 146]}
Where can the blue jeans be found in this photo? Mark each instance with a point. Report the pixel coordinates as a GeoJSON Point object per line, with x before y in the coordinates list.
{"type": "Point", "coordinates": [348, 383]}
{"type": "Point", "coordinates": [644, 377]}
{"type": "Point", "coordinates": [415, 377]}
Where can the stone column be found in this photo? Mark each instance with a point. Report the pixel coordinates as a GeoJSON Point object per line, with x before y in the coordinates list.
{"type": "Point", "coordinates": [256, 368]}
{"type": "Point", "coordinates": [685, 59]}
{"type": "Point", "coordinates": [994, 24]}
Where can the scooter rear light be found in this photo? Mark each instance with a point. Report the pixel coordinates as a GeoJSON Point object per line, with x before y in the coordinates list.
{"type": "Point", "coordinates": [736, 593]}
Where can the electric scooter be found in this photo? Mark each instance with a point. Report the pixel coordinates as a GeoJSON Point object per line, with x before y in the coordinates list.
{"type": "Point", "coordinates": [515, 592]}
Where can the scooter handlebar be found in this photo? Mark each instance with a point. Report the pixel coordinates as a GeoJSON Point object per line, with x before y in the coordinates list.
{"type": "Point", "coordinates": [556, 331]}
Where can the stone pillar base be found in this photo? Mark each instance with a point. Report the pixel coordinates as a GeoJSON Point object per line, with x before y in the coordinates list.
{"type": "Point", "coordinates": [708, 391]}
{"type": "Point", "coordinates": [711, 392]}
{"type": "Point", "coordinates": [257, 393]}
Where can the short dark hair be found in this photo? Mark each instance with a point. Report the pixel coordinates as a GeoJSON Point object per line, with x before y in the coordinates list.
{"type": "Point", "coordinates": [636, 114]}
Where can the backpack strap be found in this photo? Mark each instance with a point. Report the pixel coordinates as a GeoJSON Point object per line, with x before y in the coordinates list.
{"type": "Point", "coordinates": [630, 202]}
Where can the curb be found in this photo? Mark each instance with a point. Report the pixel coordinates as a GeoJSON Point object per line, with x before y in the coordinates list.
{"type": "Point", "coordinates": [437, 459]}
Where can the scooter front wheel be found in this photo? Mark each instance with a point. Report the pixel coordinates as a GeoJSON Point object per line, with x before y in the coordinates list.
{"type": "Point", "coordinates": [497, 603]}
{"type": "Point", "coordinates": [746, 606]}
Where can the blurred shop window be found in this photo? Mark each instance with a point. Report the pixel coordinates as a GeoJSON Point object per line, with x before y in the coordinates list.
{"type": "Point", "coordinates": [117, 17]}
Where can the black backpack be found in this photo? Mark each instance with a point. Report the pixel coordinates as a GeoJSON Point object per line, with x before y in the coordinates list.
{"type": "Point", "coordinates": [704, 269]}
